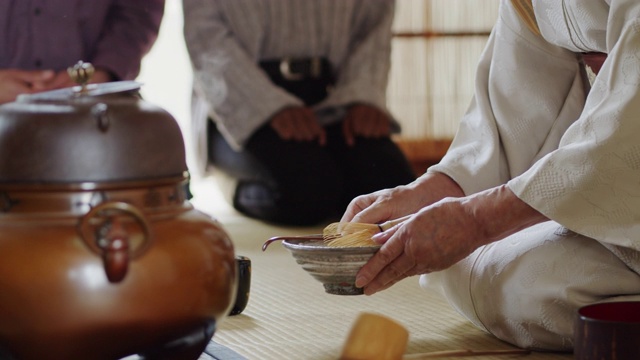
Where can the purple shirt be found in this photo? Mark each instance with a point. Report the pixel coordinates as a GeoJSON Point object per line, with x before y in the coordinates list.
{"type": "Point", "coordinates": [111, 34]}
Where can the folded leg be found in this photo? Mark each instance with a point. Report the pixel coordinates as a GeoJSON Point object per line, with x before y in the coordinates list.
{"type": "Point", "coordinates": [526, 289]}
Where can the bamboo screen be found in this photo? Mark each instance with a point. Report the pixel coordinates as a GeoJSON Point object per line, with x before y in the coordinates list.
{"type": "Point", "coordinates": [436, 47]}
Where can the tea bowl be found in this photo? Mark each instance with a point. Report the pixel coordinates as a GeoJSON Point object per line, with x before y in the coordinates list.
{"type": "Point", "coordinates": [334, 267]}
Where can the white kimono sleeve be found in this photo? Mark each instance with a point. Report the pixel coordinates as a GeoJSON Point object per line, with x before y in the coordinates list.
{"type": "Point", "coordinates": [591, 183]}
{"type": "Point", "coordinates": [528, 126]}
{"type": "Point", "coordinates": [527, 93]}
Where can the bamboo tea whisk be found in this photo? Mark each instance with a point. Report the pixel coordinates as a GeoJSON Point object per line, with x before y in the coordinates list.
{"type": "Point", "coordinates": [351, 234]}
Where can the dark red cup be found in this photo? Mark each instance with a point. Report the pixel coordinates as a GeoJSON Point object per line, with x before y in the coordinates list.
{"type": "Point", "coordinates": [608, 331]}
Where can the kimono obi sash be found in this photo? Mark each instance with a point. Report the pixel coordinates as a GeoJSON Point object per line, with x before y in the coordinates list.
{"type": "Point", "coordinates": [594, 60]}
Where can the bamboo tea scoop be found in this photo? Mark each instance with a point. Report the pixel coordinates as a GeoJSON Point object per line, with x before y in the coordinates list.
{"type": "Point", "coordinates": [376, 337]}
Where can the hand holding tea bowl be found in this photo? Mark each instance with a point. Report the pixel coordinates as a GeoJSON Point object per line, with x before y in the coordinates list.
{"type": "Point", "coordinates": [608, 331]}
{"type": "Point", "coordinates": [334, 267]}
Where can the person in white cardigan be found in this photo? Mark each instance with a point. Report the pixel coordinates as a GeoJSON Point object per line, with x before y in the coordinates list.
{"type": "Point", "coordinates": [290, 103]}
{"type": "Point", "coordinates": [535, 209]}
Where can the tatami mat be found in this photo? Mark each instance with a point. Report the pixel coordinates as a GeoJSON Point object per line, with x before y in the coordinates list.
{"type": "Point", "coordinates": [289, 316]}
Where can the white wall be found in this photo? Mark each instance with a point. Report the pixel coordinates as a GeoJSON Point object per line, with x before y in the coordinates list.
{"type": "Point", "coordinates": [166, 71]}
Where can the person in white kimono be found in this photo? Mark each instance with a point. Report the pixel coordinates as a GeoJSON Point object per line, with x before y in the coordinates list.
{"type": "Point", "coordinates": [290, 104]}
{"type": "Point", "coordinates": [535, 209]}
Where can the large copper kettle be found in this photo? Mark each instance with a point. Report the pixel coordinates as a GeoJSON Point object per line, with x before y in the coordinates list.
{"type": "Point", "coordinates": [101, 255]}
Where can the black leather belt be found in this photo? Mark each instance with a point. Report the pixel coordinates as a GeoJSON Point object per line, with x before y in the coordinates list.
{"type": "Point", "coordinates": [309, 79]}
{"type": "Point", "coordinates": [298, 69]}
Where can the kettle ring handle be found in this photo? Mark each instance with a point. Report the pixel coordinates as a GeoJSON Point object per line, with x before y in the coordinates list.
{"type": "Point", "coordinates": [103, 232]}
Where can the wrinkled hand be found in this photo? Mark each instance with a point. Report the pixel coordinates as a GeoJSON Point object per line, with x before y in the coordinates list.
{"type": "Point", "coordinates": [101, 76]}
{"type": "Point", "coordinates": [14, 82]}
{"type": "Point", "coordinates": [60, 80]}
{"type": "Point", "coordinates": [299, 124]}
{"type": "Point", "coordinates": [366, 121]}
{"type": "Point", "coordinates": [63, 80]}
{"type": "Point", "coordinates": [444, 233]}
{"type": "Point", "coordinates": [394, 203]}
{"type": "Point", "coordinates": [433, 239]}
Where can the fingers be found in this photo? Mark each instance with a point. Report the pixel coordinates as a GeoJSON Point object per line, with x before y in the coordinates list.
{"type": "Point", "coordinates": [63, 80]}
{"type": "Point", "coordinates": [38, 80]}
{"type": "Point", "coordinates": [14, 82]}
{"type": "Point", "coordinates": [402, 254]}
{"type": "Point", "coordinates": [377, 207]}
{"type": "Point", "coordinates": [60, 80]}
{"type": "Point", "coordinates": [357, 205]}
{"type": "Point", "coordinates": [101, 76]}
{"type": "Point", "coordinates": [380, 125]}
{"type": "Point", "coordinates": [299, 124]}
{"type": "Point", "coordinates": [387, 266]}
{"type": "Point", "coordinates": [372, 123]}
{"type": "Point", "coordinates": [366, 121]}
{"type": "Point", "coordinates": [347, 131]}
{"type": "Point", "coordinates": [433, 239]}
{"type": "Point", "coordinates": [398, 269]}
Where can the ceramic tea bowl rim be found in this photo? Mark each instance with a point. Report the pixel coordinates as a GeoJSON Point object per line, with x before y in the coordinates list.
{"type": "Point", "coordinates": [321, 246]}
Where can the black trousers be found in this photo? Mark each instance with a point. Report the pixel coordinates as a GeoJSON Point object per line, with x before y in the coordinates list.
{"type": "Point", "coordinates": [303, 183]}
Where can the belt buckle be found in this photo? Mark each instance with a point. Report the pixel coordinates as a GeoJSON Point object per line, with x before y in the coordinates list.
{"type": "Point", "coordinates": [285, 70]}
{"type": "Point", "coordinates": [315, 67]}
{"type": "Point", "coordinates": [314, 70]}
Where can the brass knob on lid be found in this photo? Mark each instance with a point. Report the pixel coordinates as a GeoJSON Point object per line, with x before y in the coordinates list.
{"type": "Point", "coordinates": [81, 73]}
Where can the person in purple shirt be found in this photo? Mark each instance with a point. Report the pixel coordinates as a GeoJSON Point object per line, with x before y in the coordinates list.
{"type": "Point", "coordinates": [40, 39]}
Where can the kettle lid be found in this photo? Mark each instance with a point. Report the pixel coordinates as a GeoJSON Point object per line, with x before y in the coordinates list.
{"type": "Point", "coordinates": [88, 133]}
